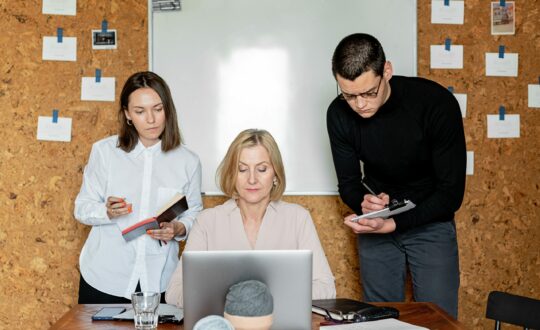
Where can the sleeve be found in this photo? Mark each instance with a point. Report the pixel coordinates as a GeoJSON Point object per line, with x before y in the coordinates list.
{"type": "Point", "coordinates": [90, 206]}
{"type": "Point", "coordinates": [197, 241]}
{"type": "Point", "coordinates": [346, 161]}
{"type": "Point", "coordinates": [194, 200]}
{"type": "Point", "coordinates": [323, 281]}
{"type": "Point", "coordinates": [448, 156]}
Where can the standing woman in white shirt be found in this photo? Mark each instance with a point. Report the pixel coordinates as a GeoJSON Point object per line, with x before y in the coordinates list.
{"type": "Point", "coordinates": [128, 178]}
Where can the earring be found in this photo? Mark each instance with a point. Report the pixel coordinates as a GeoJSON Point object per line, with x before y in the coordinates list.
{"type": "Point", "coordinates": [129, 122]}
{"type": "Point", "coordinates": [274, 181]}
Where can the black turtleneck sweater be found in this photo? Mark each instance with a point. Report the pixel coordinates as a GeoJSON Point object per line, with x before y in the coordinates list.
{"type": "Point", "coordinates": [413, 148]}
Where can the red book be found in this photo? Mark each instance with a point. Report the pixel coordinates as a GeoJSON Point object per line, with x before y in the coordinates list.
{"type": "Point", "coordinates": [176, 206]}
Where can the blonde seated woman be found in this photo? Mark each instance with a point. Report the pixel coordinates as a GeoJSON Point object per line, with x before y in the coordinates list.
{"type": "Point", "coordinates": [255, 217]}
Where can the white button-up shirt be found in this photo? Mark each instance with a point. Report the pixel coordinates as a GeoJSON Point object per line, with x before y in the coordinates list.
{"type": "Point", "coordinates": [147, 178]}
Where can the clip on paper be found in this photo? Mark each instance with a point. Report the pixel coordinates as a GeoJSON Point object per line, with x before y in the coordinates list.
{"type": "Point", "coordinates": [501, 51]}
{"type": "Point", "coordinates": [451, 89]}
{"type": "Point", "coordinates": [104, 26]}
{"type": "Point", "coordinates": [447, 43]}
{"type": "Point", "coordinates": [501, 112]}
{"type": "Point", "coordinates": [59, 35]}
{"type": "Point", "coordinates": [502, 3]}
{"type": "Point", "coordinates": [447, 2]}
{"type": "Point", "coordinates": [98, 75]}
{"type": "Point", "coordinates": [55, 116]}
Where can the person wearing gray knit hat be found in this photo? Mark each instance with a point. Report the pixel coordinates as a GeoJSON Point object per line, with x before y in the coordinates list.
{"type": "Point", "coordinates": [249, 305]}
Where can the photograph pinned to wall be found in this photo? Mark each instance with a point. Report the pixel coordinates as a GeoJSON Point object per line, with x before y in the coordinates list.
{"type": "Point", "coordinates": [503, 18]}
{"type": "Point", "coordinates": [104, 39]}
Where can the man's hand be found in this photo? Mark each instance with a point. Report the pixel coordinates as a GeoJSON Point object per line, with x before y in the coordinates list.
{"type": "Point", "coordinates": [370, 226]}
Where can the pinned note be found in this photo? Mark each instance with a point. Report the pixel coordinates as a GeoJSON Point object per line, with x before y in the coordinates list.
{"type": "Point", "coordinates": [507, 66]}
{"type": "Point", "coordinates": [462, 101]}
{"type": "Point", "coordinates": [54, 129]}
{"type": "Point", "coordinates": [507, 128]}
{"type": "Point", "coordinates": [94, 90]}
{"type": "Point", "coordinates": [59, 48]}
{"type": "Point", "coordinates": [447, 12]}
{"type": "Point", "coordinates": [60, 7]}
{"type": "Point", "coordinates": [446, 57]}
{"type": "Point", "coordinates": [470, 163]}
{"type": "Point", "coordinates": [534, 96]}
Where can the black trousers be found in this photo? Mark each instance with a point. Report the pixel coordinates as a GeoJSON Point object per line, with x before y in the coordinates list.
{"type": "Point", "coordinates": [89, 295]}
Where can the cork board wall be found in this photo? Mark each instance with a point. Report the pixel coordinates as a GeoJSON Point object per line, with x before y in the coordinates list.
{"type": "Point", "coordinates": [498, 224]}
{"type": "Point", "coordinates": [39, 238]}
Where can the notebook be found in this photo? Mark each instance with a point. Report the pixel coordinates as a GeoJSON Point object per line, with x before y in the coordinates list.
{"type": "Point", "coordinates": [287, 273]}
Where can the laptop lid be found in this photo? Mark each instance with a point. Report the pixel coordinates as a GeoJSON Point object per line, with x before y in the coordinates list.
{"type": "Point", "coordinates": [287, 273]}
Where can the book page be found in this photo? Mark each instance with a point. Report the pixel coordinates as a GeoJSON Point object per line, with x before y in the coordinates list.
{"type": "Point", "coordinates": [170, 203]}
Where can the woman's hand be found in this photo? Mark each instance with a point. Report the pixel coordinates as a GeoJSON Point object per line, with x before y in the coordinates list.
{"type": "Point", "coordinates": [167, 231]}
{"type": "Point", "coordinates": [116, 207]}
{"type": "Point", "coordinates": [370, 226]}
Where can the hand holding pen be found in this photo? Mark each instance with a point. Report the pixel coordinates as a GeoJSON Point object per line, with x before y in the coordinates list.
{"type": "Point", "coordinates": [373, 201]}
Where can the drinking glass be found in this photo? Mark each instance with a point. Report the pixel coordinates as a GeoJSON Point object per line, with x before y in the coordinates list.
{"type": "Point", "coordinates": [145, 305]}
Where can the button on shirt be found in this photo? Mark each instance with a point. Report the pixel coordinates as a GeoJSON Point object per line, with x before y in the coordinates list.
{"type": "Point", "coordinates": [147, 178]}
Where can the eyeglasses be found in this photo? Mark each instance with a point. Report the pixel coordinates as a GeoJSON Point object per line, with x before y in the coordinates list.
{"type": "Point", "coordinates": [366, 95]}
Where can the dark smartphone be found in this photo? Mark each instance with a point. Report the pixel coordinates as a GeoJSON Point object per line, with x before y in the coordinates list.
{"type": "Point", "coordinates": [107, 313]}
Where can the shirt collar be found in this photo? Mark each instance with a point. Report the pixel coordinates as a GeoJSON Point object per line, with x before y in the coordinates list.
{"type": "Point", "coordinates": [231, 206]}
{"type": "Point", "coordinates": [140, 148]}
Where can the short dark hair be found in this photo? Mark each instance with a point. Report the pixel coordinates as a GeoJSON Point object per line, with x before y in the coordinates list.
{"type": "Point", "coordinates": [356, 54]}
{"type": "Point", "coordinates": [127, 135]}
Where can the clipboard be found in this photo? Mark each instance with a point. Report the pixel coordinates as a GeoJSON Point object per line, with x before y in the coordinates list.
{"type": "Point", "coordinates": [394, 208]}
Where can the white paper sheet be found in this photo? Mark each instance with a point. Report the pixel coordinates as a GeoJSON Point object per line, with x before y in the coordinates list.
{"type": "Point", "coordinates": [49, 131]}
{"type": "Point", "coordinates": [470, 163]}
{"type": "Point", "coordinates": [59, 51]}
{"type": "Point", "coordinates": [534, 96]}
{"type": "Point", "coordinates": [507, 128]}
{"type": "Point", "coordinates": [462, 100]}
{"type": "Point", "coordinates": [446, 59]}
{"type": "Point", "coordinates": [60, 7]}
{"type": "Point", "coordinates": [386, 324]}
{"type": "Point", "coordinates": [98, 91]}
{"type": "Point", "coordinates": [451, 14]}
{"type": "Point", "coordinates": [503, 67]}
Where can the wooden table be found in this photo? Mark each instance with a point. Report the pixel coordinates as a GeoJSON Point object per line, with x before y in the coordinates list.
{"type": "Point", "coordinates": [423, 314]}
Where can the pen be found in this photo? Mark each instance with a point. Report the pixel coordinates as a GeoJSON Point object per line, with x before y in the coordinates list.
{"type": "Point", "coordinates": [368, 188]}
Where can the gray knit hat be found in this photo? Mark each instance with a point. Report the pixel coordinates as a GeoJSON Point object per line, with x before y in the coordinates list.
{"type": "Point", "coordinates": [249, 298]}
{"type": "Point", "coordinates": [213, 322]}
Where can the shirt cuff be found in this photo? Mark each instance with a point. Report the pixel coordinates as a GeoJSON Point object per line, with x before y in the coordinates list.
{"type": "Point", "coordinates": [187, 225]}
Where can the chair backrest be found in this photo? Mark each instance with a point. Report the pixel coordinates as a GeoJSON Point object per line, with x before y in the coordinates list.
{"type": "Point", "coordinates": [513, 309]}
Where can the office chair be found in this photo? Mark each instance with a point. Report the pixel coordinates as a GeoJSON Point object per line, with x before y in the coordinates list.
{"type": "Point", "coordinates": [513, 309]}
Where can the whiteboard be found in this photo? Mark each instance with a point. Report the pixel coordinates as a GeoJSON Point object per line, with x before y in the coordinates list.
{"type": "Point", "coordinates": [238, 64]}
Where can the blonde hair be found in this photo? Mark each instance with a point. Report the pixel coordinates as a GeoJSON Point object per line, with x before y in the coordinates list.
{"type": "Point", "coordinates": [227, 172]}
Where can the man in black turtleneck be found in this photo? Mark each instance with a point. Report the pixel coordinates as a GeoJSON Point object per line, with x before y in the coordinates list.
{"type": "Point", "coordinates": [408, 133]}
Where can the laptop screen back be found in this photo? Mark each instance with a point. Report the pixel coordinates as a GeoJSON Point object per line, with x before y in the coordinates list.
{"type": "Point", "coordinates": [287, 273]}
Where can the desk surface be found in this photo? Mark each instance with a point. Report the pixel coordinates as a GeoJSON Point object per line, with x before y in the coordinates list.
{"type": "Point", "coordinates": [423, 314]}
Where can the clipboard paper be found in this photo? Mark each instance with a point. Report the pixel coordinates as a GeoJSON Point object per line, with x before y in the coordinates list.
{"type": "Point", "coordinates": [387, 212]}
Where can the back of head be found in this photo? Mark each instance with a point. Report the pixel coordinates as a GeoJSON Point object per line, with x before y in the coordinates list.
{"type": "Point", "coordinates": [356, 54]}
{"type": "Point", "coordinates": [249, 305]}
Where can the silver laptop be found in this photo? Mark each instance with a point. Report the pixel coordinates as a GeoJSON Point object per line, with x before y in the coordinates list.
{"type": "Point", "coordinates": [287, 273]}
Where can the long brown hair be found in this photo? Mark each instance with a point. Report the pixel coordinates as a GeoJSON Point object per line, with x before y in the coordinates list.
{"type": "Point", "coordinates": [127, 135]}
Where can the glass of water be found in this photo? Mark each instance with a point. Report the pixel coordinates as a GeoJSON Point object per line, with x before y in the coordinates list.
{"type": "Point", "coordinates": [145, 305]}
